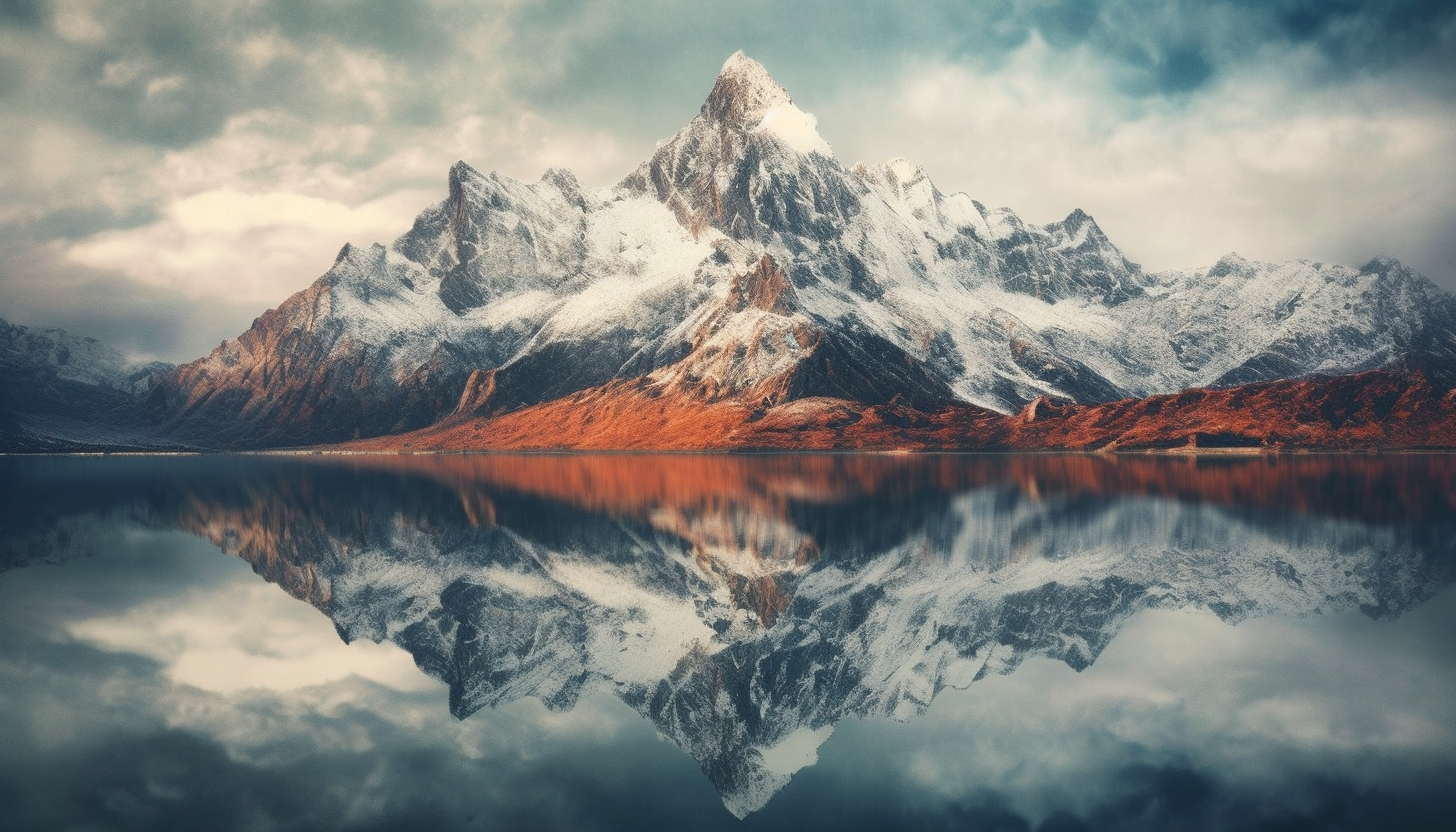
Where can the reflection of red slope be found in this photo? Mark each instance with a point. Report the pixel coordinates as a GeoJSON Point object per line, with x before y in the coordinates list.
{"type": "Point", "coordinates": [639, 486]}
{"type": "Point", "coordinates": [745, 514]}
{"type": "Point", "coordinates": [271, 533]}
{"type": "Point", "coordinates": [1374, 410]}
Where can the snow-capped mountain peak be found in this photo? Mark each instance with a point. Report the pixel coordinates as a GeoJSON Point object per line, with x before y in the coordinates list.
{"type": "Point", "coordinates": [744, 93]}
{"type": "Point", "coordinates": [745, 96]}
{"type": "Point", "coordinates": [60, 391]}
{"type": "Point", "coordinates": [881, 286]}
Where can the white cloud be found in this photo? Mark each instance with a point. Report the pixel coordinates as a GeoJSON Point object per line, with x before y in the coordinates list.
{"type": "Point", "coordinates": [165, 84]}
{"type": "Point", "coordinates": [535, 144]}
{"type": "Point", "coordinates": [259, 212]}
{"type": "Point", "coordinates": [260, 247]}
{"type": "Point", "coordinates": [795, 128]}
{"type": "Point", "coordinates": [258, 50]}
{"type": "Point", "coordinates": [75, 22]}
{"type": "Point", "coordinates": [121, 73]}
{"type": "Point", "coordinates": [1261, 709]}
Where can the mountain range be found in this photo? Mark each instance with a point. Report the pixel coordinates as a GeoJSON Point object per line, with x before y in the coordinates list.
{"type": "Point", "coordinates": [59, 391]}
{"type": "Point", "coordinates": [744, 288]}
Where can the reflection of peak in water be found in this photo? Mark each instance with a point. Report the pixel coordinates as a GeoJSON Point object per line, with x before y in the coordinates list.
{"type": "Point", "coordinates": [740, 602]}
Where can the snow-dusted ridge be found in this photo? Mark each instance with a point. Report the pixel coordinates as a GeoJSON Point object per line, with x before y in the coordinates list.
{"type": "Point", "coordinates": [72, 358]}
{"type": "Point", "coordinates": [60, 391]}
{"type": "Point", "coordinates": [558, 288]}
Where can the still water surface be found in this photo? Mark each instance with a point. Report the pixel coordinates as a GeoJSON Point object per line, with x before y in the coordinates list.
{"type": "Point", "coordinates": [727, 642]}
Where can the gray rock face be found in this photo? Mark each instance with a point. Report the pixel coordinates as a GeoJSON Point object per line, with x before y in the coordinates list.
{"type": "Point", "coordinates": [558, 287]}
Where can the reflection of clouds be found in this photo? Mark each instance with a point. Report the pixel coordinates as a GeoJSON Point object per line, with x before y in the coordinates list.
{"type": "Point", "coordinates": [1147, 737]}
{"type": "Point", "coordinates": [246, 635]}
{"type": "Point", "coordinates": [1263, 718]}
{"type": "Point", "coordinates": [106, 729]}
{"type": "Point", "coordinates": [150, 754]}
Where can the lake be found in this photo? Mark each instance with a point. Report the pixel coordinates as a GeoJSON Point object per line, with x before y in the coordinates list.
{"type": "Point", "coordinates": [736, 642]}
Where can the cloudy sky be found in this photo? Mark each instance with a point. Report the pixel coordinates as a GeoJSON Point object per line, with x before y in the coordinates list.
{"type": "Point", "coordinates": [174, 167]}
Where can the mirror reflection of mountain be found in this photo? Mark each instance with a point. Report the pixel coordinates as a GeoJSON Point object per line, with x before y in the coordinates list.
{"type": "Point", "coordinates": [745, 605]}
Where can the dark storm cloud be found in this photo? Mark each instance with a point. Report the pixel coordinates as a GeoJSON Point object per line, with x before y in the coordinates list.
{"type": "Point", "coordinates": [1178, 46]}
{"type": "Point", "coordinates": [1361, 34]}
{"type": "Point", "coordinates": [1188, 42]}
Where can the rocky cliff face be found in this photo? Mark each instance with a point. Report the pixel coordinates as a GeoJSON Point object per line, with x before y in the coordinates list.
{"type": "Point", "coordinates": [879, 285]}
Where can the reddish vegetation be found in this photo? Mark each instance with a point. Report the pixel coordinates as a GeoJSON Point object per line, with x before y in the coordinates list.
{"type": "Point", "coordinates": [676, 491]}
{"type": "Point", "coordinates": [1374, 410]}
{"type": "Point", "coordinates": [1378, 409]}
{"type": "Point", "coordinates": [636, 415]}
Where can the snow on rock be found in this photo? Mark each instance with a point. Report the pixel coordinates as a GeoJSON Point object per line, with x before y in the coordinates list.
{"type": "Point", "coordinates": [744, 92]}
{"type": "Point", "coordinates": [58, 354]}
{"type": "Point", "coordinates": [59, 391]}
